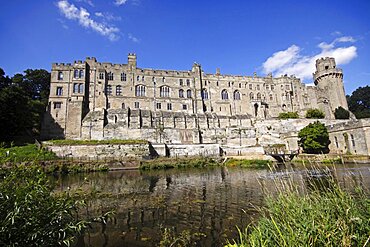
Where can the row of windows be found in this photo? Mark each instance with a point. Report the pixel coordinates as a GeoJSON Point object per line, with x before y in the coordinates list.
{"type": "Point", "coordinates": [158, 106]}
{"type": "Point", "coordinates": [76, 74]}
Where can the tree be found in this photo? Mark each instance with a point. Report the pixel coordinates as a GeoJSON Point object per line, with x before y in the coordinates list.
{"type": "Point", "coordinates": [341, 113]}
{"type": "Point", "coordinates": [359, 102]}
{"type": "Point", "coordinates": [286, 115]}
{"type": "Point", "coordinates": [315, 113]}
{"type": "Point", "coordinates": [5, 81]}
{"type": "Point", "coordinates": [314, 138]}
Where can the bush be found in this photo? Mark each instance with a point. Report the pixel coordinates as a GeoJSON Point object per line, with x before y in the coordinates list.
{"type": "Point", "coordinates": [286, 115]}
{"type": "Point", "coordinates": [341, 113]}
{"type": "Point", "coordinates": [315, 113]}
{"type": "Point", "coordinates": [32, 215]}
{"type": "Point", "coordinates": [314, 138]}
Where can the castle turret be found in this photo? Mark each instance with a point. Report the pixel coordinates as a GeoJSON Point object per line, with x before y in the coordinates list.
{"type": "Point", "coordinates": [131, 61]}
{"type": "Point", "coordinates": [329, 81]}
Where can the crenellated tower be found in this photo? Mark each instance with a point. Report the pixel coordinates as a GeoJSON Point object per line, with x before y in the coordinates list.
{"type": "Point", "coordinates": [330, 89]}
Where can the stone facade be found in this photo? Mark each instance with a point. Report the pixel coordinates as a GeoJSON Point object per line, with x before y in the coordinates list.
{"type": "Point", "coordinates": [95, 101]}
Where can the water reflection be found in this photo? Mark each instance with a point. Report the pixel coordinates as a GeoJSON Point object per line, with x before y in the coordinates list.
{"type": "Point", "coordinates": [209, 201]}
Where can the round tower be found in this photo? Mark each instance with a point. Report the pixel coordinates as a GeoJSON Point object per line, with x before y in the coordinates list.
{"type": "Point", "coordinates": [330, 89]}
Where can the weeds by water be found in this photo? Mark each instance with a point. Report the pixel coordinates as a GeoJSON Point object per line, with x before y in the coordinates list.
{"type": "Point", "coordinates": [29, 152]}
{"type": "Point", "coordinates": [326, 215]}
{"type": "Point", "coordinates": [259, 164]}
{"type": "Point", "coordinates": [167, 163]}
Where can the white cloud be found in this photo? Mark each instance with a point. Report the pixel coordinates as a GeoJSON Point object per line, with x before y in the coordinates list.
{"type": "Point", "coordinates": [120, 2]}
{"type": "Point", "coordinates": [89, 2]}
{"type": "Point", "coordinates": [133, 39]}
{"type": "Point", "coordinates": [108, 16]}
{"type": "Point", "coordinates": [83, 17]}
{"type": "Point", "coordinates": [292, 62]}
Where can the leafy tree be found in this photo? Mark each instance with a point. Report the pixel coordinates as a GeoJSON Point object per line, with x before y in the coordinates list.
{"type": "Point", "coordinates": [314, 138]}
{"type": "Point", "coordinates": [359, 102]}
{"type": "Point", "coordinates": [341, 113]}
{"type": "Point", "coordinates": [286, 115]}
{"type": "Point", "coordinates": [5, 81]}
{"type": "Point", "coordinates": [315, 113]}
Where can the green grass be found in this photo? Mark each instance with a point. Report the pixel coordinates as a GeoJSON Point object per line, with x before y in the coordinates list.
{"type": "Point", "coordinates": [29, 152]}
{"type": "Point", "coordinates": [167, 163]}
{"type": "Point", "coordinates": [259, 164]}
{"type": "Point", "coordinates": [325, 216]}
{"type": "Point", "coordinates": [95, 142]}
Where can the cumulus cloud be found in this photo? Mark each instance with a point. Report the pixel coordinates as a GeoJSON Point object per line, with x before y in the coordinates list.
{"type": "Point", "coordinates": [89, 2]}
{"type": "Point", "coordinates": [107, 16]}
{"type": "Point", "coordinates": [81, 15]}
{"type": "Point", "coordinates": [120, 2]}
{"type": "Point", "coordinates": [292, 62]}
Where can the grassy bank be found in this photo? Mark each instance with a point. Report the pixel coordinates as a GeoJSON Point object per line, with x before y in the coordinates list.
{"type": "Point", "coordinates": [167, 163]}
{"type": "Point", "coordinates": [29, 152]}
{"type": "Point", "coordinates": [257, 164]}
{"type": "Point", "coordinates": [322, 217]}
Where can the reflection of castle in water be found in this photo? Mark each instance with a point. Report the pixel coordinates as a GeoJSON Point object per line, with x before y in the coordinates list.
{"type": "Point", "coordinates": [209, 201]}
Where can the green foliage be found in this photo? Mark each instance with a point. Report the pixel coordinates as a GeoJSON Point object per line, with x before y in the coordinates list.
{"type": "Point", "coordinates": [184, 239]}
{"type": "Point", "coordinates": [359, 102]}
{"type": "Point", "coordinates": [314, 113]}
{"type": "Point", "coordinates": [259, 164]}
{"type": "Point", "coordinates": [31, 215]}
{"type": "Point", "coordinates": [314, 138]}
{"type": "Point", "coordinates": [29, 152]}
{"type": "Point", "coordinates": [95, 142]}
{"type": "Point", "coordinates": [286, 115]}
{"type": "Point", "coordinates": [331, 217]}
{"type": "Point", "coordinates": [341, 113]}
{"type": "Point", "coordinates": [23, 99]}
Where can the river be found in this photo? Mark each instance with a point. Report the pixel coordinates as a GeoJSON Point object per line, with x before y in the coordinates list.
{"type": "Point", "coordinates": [210, 202]}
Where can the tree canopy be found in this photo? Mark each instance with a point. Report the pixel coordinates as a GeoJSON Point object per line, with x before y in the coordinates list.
{"type": "Point", "coordinates": [359, 102]}
{"type": "Point", "coordinates": [314, 138]}
{"type": "Point", "coordinates": [341, 113]}
{"type": "Point", "coordinates": [315, 113]}
{"type": "Point", "coordinates": [286, 115]}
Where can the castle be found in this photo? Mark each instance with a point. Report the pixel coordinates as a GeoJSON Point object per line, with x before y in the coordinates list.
{"type": "Point", "coordinates": [93, 100]}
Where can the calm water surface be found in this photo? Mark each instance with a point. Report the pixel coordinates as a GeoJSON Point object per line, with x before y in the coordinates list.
{"type": "Point", "coordinates": [209, 201]}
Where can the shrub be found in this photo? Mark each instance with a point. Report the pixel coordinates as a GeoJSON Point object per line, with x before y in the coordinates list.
{"type": "Point", "coordinates": [315, 113]}
{"type": "Point", "coordinates": [286, 115]}
{"type": "Point", "coordinates": [341, 113]}
{"type": "Point", "coordinates": [314, 138]}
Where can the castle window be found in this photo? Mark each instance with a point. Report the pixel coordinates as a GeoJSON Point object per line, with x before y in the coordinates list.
{"type": "Point", "coordinates": [140, 90]}
{"type": "Point", "coordinates": [123, 106]}
{"type": "Point", "coordinates": [353, 140]}
{"type": "Point", "coordinates": [240, 85]}
{"type": "Point", "coordinates": [326, 67]}
{"type": "Point", "coordinates": [57, 105]}
{"type": "Point", "coordinates": [164, 91]}
{"type": "Point", "coordinates": [81, 74]}
{"type": "Point", "coordinates": [159, 106]}
{"type": "Point", "coordinates": [181, 82]}
{"type": "Point", "coordinates": [204, 94]}
{"type": "Point", "coordinates": [108, 107]}
{"type": "Point", "coordinates": [75, 73]}
{"type": "Point", "coordinates": [60, 75]}
{"type": "Point", "coordinates": [108, 90]}
{"type": "Point", "coordinates": [184, 107]}
{"type": "Point", "coordinates": [78, 87]}
{"type": "Point", "coordinates": [224, 95]}
{"type": "Point", "coordinates": [236, 95]}
{"type": "Point", "coordinates": [188, 82]}
{"type": "Point", "coordinates": [271, 97]}
{"type": "Point", "coordinates": [75, 87]}
{"type": "Point", "coordinates": [229, 84]}
{"type": "Point", "coordinates": [250, 86]}
{"type": "Point", "coordinates": [336, 141]}
{"type": "Point", "coordinates": [110, 76]}
{"type": "Point", "coordinates": [251, 96]}
{"type": "Point", "coordinates": [272, 87]}
{"type": "Point", "coordinates": [123, 76]}
{"type": "Point", "coordinates": [169, 106]}
{"type": "Point", "coordinates": [267, 87]}
{"type": "Point", "coordinates": [181, 93]}
{"type": "Point", "coordinates": [137, 105]}
{"type": "Point", "coordinates": [138, 78]}
{"type": "Point", "coordinates": [101, 75]}
{"type": "Point", "coordinates": [283, 96]}
{"type": "Point", "coordinates": [217, 83]}
{"type": "Point", "coordinates": [205, 83]}
{"type": "Point", "coordinates": [287, 96]}
{"type": "Point", "coordinates": [142, 78]}
{"type": "Point", "coordinates": [119, 90]}
{"type": "Point", "coordinates": [59, 91]}
{"type": "Point", "coordinates": [188, 93]}
{"type": "Point", "coordinates": [163, 79]}
{"type": "Point", "coordinates": [81, 88]}
{"type": "Point", "coordinates": [258, 87]}
{"type": "Point", "coordinates": [258, 96]}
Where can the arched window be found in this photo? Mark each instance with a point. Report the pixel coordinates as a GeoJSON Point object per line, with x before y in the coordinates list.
{"type": "Point", "coordinates": [81, 88]}
{"type": "Point", "coordinates": [181, 93]}
{"type": "Point", "coordinates": [142, 78]}
{"type": "Point", "coordinates": [204, 94]}
{"type": "Point", "coordinates": [81, 74]}
{"type": "Point", "coordinates": [123, 106]}
{"type": "Point", "coordinates": [224, 95]}
{"type": "Point", "coordinates": [236, 95]}
{"type": "Point", "coordinates": [258, 96]}
{"type": "Point", "coordinates": [180, 82]}
{"type": "Point", "coordinates": [138, 78]}
{"type": "Point", "coordinates": [251, 96]}
{"type": "Point", "coordinates": [60, 75]}
{"type": "Point", "coordinates": [164, 91]}
{"type": "Point", "coordinates": [119, 90]}
{"type": "Point", "coordinates": [163, 79]}
{"type": "Point", "coordinates": [75, 74]}
{"type": "Point", "coordinates": [140, 90]}
{"type": "Point", "coordinates": [188, 93]}
{"type": "Point", "coordinates": [188, 82]}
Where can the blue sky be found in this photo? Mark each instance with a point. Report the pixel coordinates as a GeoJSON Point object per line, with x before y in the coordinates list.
{"type": "Point", "coordinates": [240, 37]}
